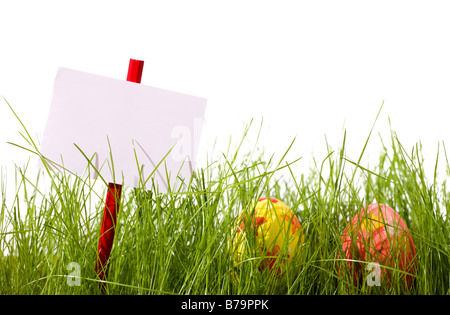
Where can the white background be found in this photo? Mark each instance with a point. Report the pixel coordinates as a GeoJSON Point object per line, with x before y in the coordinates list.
{"type": "Point", "coordinates": [310, 68]}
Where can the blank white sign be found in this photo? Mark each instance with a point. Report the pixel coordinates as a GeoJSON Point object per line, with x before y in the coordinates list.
{"type": "Point", "coordinates": [136, 125]}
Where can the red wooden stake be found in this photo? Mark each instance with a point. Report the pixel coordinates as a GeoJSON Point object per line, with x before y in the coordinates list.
{"type": "Point", "coordinates": [107, 229]}
{"type": "Point", "coordinates": [113, 195]}
{"type": "Point", "coordinates": [135, 70]}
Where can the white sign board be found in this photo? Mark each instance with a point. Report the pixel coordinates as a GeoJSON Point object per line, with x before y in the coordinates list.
{"type": "Point", "coordinates": [96, 118]}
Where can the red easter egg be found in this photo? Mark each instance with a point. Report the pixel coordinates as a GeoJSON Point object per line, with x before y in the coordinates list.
{"type": "Point", "coordinates": [378, 237]}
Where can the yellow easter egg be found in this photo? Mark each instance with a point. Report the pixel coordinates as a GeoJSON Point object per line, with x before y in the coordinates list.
{"type": "Point", "coordinates": [268, 233]}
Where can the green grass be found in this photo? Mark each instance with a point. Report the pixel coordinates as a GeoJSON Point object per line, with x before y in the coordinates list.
{"type": "Point", "coordinates": [177, 243]}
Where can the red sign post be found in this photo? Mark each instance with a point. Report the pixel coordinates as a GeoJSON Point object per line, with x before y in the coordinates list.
{"type": "Point", "coordinates": [113, 196]}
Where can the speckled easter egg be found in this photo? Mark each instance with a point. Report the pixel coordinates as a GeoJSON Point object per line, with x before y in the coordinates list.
{"type": "Point", "coordinates": [378, 236]}
{"type": "Point", "coordinates": [268, 233]}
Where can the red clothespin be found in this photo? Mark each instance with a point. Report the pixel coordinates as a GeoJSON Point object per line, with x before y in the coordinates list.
{"type": "Point", "coordinates": [113, 196]}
